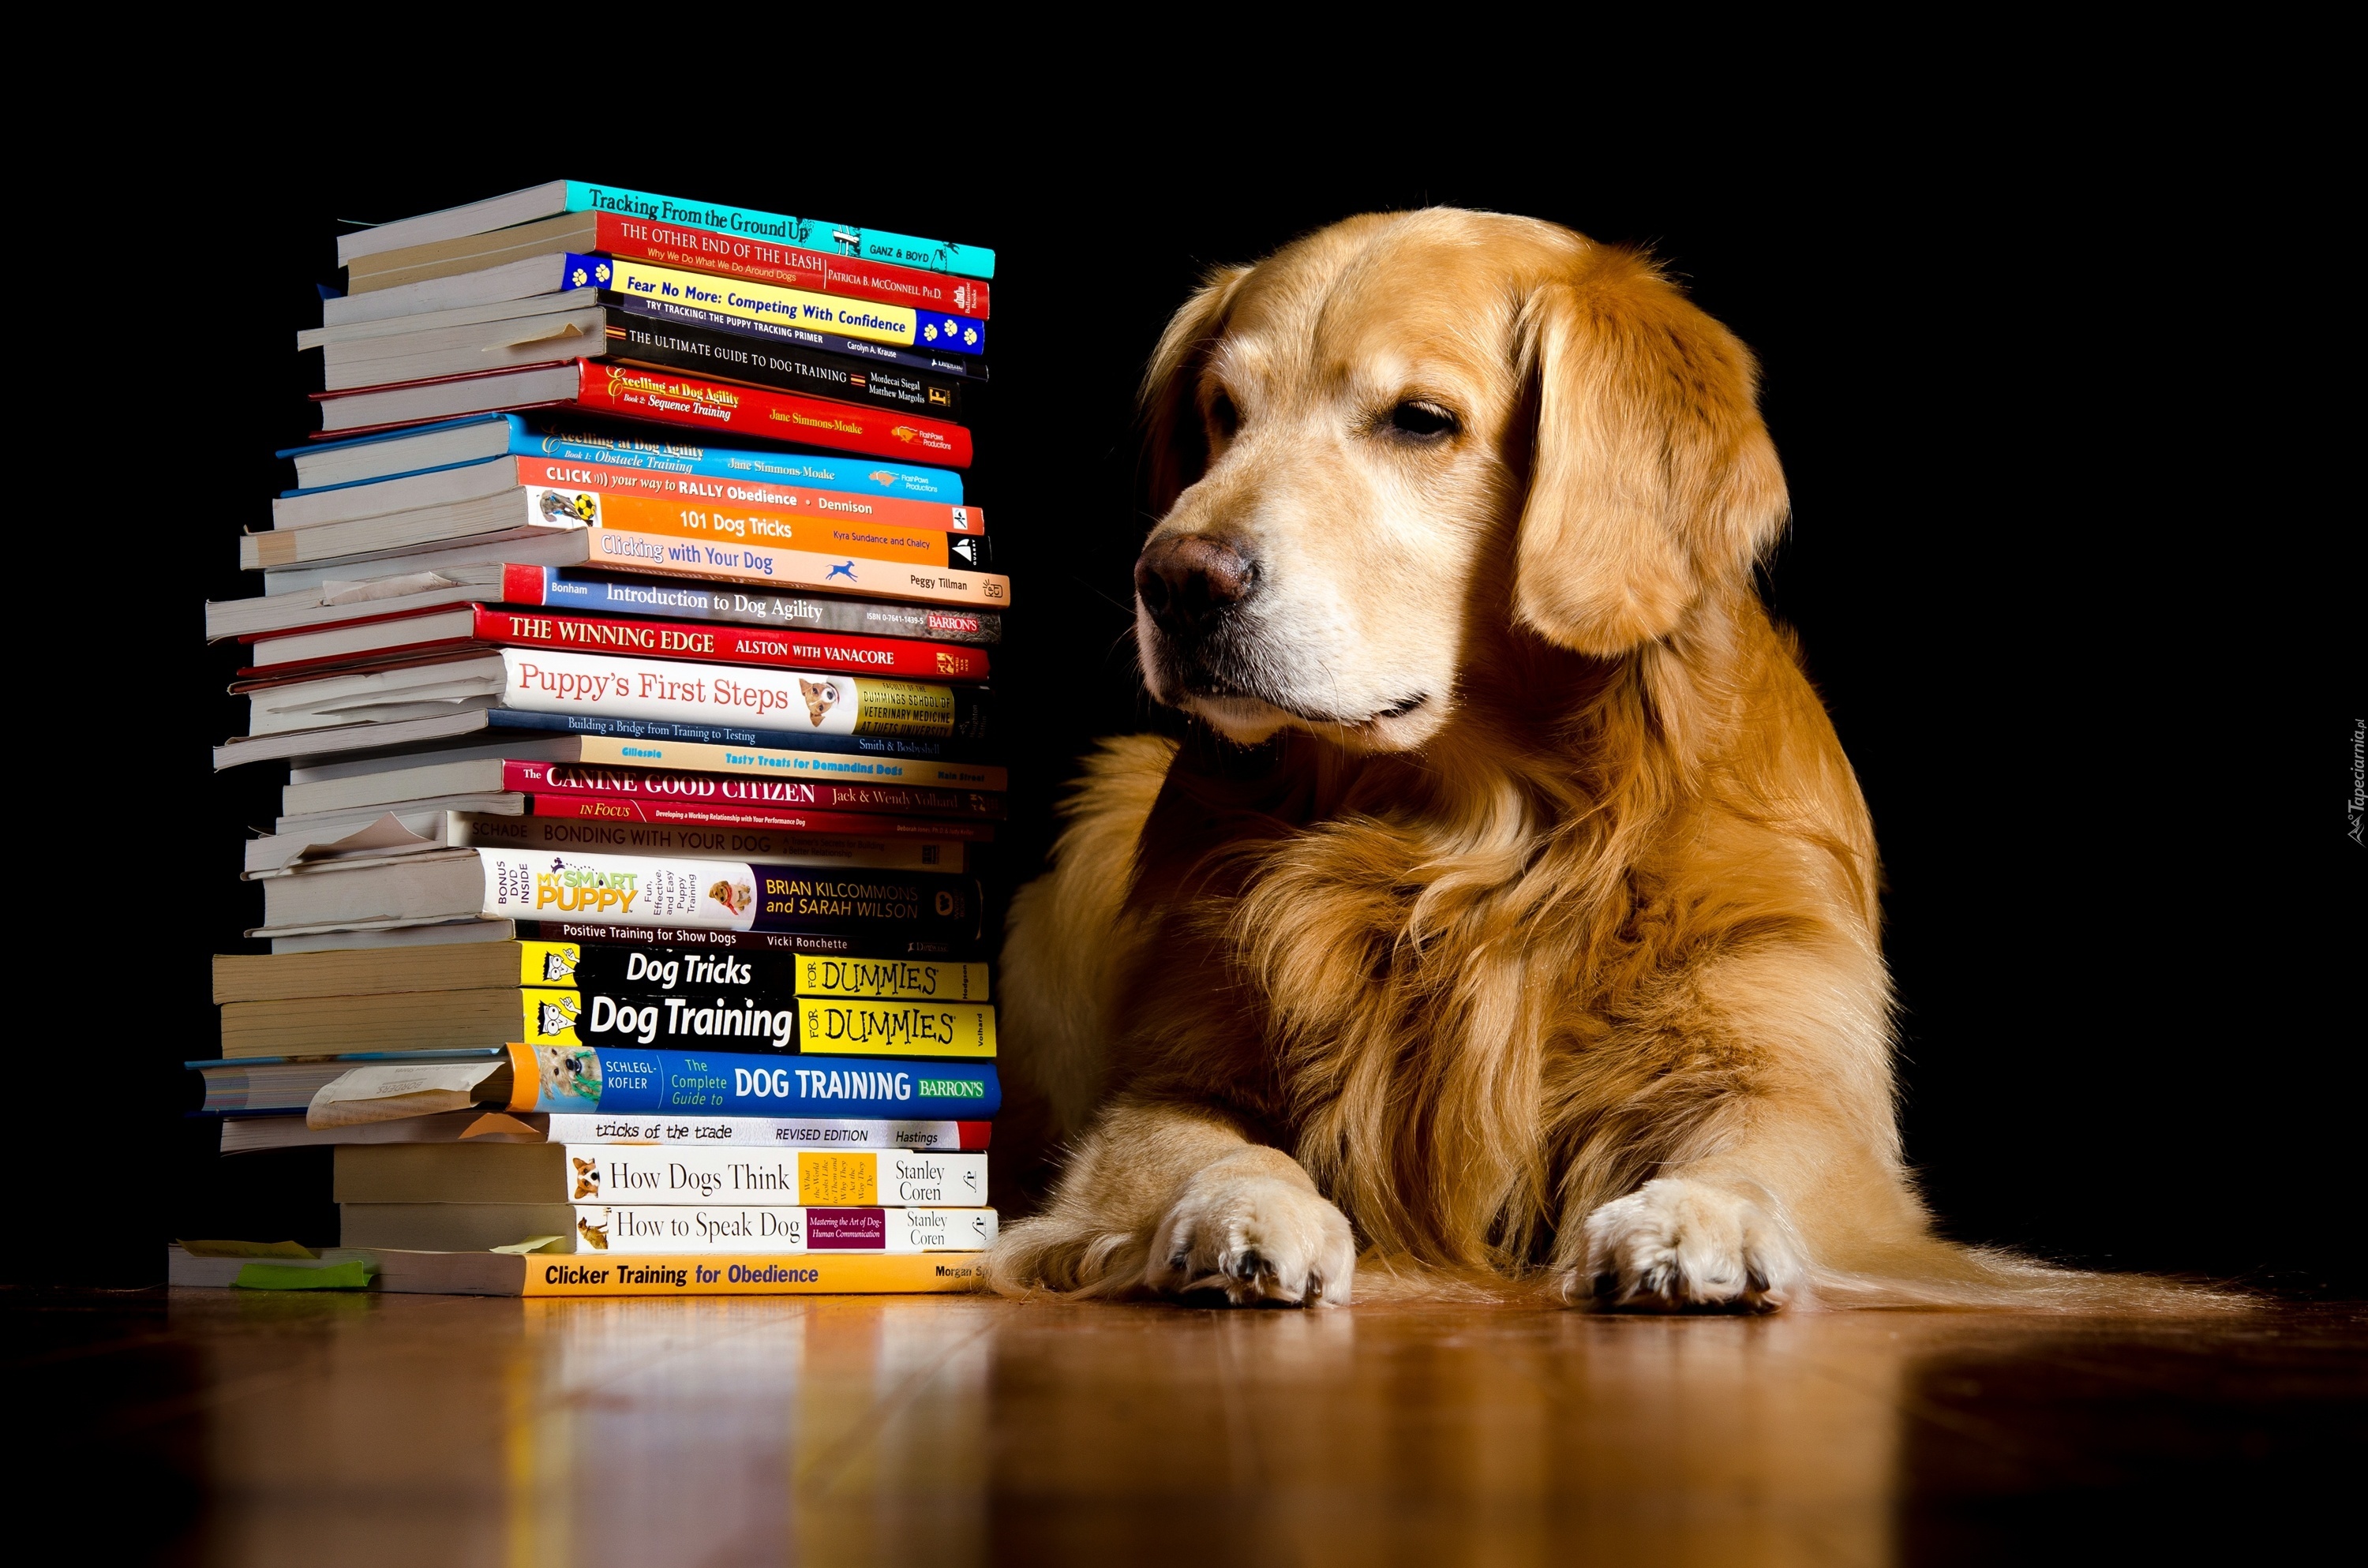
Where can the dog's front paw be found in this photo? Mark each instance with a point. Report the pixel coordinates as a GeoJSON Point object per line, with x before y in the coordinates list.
{"type": "Point", "coordinates": [1259, 1238]}
{"type": "Point", "coordinates": [1675, 1245]}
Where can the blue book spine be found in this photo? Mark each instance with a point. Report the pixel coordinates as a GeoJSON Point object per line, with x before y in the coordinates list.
{"type": "Point", "coordinates": [532, 437]}
{"type": "Point", "coordinates": [623, 1080]}
{"type": "Point", "coordinates": [877, 245]}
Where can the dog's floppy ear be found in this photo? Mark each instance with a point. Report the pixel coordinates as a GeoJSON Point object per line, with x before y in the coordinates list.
{"type": "Point", "coordinates": [1178, 446]}
{"type": "Point", "coordinates": [1652, 476]}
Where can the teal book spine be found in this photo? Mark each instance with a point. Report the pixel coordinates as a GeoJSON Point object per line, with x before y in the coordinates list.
{"type": "Point", "coordinates": [847, 239]}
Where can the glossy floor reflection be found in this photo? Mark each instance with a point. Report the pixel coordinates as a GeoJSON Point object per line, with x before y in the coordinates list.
{"type": "Point", "coordinates": [249, 1428]}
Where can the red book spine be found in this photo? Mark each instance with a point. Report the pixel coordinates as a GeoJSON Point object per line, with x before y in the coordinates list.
{"type": "Point", "coordinates": [791, 267]}
{"type": "Point", "coordinates": [729, 644]}
{"type": "Point", "coordinates": [764, 415]}
{"type": "Point", "coordinates": [779, 819]}
{"type": "Point", "coordinates": [727, 789]}
{"type": "Point", "coordinates": [766, 494]}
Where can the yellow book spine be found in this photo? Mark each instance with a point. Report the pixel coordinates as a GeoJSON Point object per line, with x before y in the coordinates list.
{"type": "Point", "coordinates": [661, 1274]}
{"type": "Point", "coordinates": [768, 302]}
{"type": "Point", "coordinates": [915, 980]}
{"type": "Point", "coordinates": [964, 1029]}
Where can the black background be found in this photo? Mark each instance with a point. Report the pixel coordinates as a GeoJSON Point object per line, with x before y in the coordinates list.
{"type": "Point", "coordinates": [2053, 560]}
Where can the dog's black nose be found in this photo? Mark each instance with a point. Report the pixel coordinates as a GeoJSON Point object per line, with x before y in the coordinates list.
{"type": "Point", "coordinates": [1188, 580]}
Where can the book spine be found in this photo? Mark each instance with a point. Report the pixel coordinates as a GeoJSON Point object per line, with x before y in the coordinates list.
{"type": "Point", "coordinates": [876, 244]}
{"type": "Point", "coordinates": [619, 549]}
{"type": "Point", "coordinates": [638, 744]}
{"type": "Point", "coordinates": [627, 1230]}
{"type": "Point", "coordinates": [634, 339]}
{"type": "Point", "coordinates": [935, 946]}
{"type": "Point", "coordinates": [539, 437]}
{"type": "Point", "coordinates": [656, 786]}
{"type": "Point", "coordinates": [627, 742]}
{"type": "Point", "coordinates": [974, 372]}
{"type": "Point", "coordinates": [901, 325]}
{"type": "Point", "coordinates": [791, 267]}
{"type": "Point", "coordinates": [784, 499]}
{"type": "Point", "coordinates": [733, 644]}
{"type": "Point", "coordinates": [643, 1081]}
{"type": "Point", "coordinates": [816, 702]}
{"type": "Point", "coordinates": [813, 1027]}
{"type": "Point", "coordinates": [574, 834]}
{"type": "Point", "coordinates": [561, 588]}
{"type": "Point", "coordinates": [683, 1274]}
{"type": "Point", "coordinates": [787, 821]}
{"type": "Point", "coordinates": [735, 524]}
{"type": "Point", "coordinates": [852, 1178]}
{"type": "Point", "coordinates": [673, 399]}
{"type": "Point", "coordinates": [798, 1132]}
{"type": "Point", "coordinates": [798, 969]}
{"type": "Point", "coordinates": [725, 895]}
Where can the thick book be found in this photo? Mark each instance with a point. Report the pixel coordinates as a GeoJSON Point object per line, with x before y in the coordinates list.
{"type": "Point", "coordinates": [641, 333]}
{"type": "Point", "coordinates": [477, 438]}
{"type": "Point", "coordinates": [479, 628]}
{"type": "Point", "coordinates": [253, 1134]}
{"type": "Point", "coordinates": [457, 819]}
{"type": "Point", "coordinates": [488, 733]}
{"type": "Point", "coordinates": [542, 1275]}
{"type": "Point", "coordinates": [522, 297]}
{"type": "Point", "coordinates": [500, 476]}
{"type": "Point", "coordinates": [607, 550]}
{"type": "Point", "coordinates": [633, 1080]}
{"type": "Point", "coordinates": [392, 597]}
{"type": "Point", "coordinates": [807, 705]}
{"type": "Point", "coordinates": [491, 538]}
{"type": "Point", "coordinates": [648, 1172]}
{"type": "Point", "coordinates": [706, 1229]}
{"type": "Point", "coordinates": [624, 392]}
{"type": "Point", "coordinates": [800, 969]}
{"type": "Point", "coordinates": [563, 833]}
{"type": "Point", "coordinates": [688, 1018]}
{"type": "Point", "coordinates": [380, 784]}
{"type": "Point", "coordinates": [672, 244]}
{"type": "Point", "coordinates": [627, 890]}
{"type": "Point", "coordinates": [757, 228]}
{"type": "Point", "coordinates": [515, 511]}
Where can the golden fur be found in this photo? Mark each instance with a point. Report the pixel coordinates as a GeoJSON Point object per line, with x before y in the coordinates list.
{"type": "Point", "coordinates": [1517, 924]}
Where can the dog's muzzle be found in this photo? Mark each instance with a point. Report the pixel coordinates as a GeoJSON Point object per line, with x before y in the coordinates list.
{"type": "Point", "coordinates": [1191, 584]}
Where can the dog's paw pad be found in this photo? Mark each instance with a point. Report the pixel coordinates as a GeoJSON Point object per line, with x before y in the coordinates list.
{"type": "Point", "coordinates": [1253, 1239]}
{"type": "Point", "coordinates": [1681, 1245]}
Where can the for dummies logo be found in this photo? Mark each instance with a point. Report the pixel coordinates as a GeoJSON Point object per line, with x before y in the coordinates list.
{"type": "Point", "coordinates": [581, 890]}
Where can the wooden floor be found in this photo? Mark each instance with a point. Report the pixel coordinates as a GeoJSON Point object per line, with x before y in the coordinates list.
{"type": "Point", "coordinates": [241, 1427]}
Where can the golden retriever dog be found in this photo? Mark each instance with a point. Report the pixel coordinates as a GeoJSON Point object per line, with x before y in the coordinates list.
{"type": "Point", "coordinates": [1513, 914]}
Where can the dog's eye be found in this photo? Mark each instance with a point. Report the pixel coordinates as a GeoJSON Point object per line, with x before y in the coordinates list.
{"type": "Point", "coordinates": [1421, 421]}
{"type": "Point", "coordinates": [1224, 417]}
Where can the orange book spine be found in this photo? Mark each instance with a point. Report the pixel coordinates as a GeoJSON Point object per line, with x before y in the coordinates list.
{"type": "Point", "coordinates": [764, 495]}
{"type": "Point", "coordinates": [782, 529]}
{"type": "Point", "coordinates": [663, 1274]}
{"type": "Point", "coordinates": [688, 555]}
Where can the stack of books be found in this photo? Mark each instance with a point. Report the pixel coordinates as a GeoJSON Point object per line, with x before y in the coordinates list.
{"type": "Point", "coordinates": [626, 637]}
